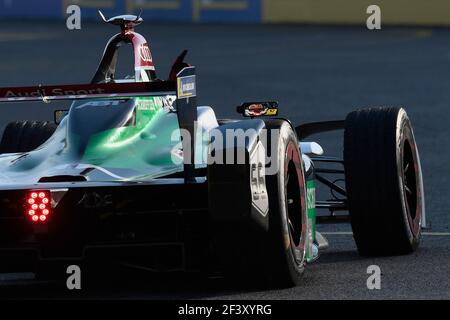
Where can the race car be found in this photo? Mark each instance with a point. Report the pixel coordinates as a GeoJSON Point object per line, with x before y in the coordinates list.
{"type": "Point", "coordinates": [135, 172]}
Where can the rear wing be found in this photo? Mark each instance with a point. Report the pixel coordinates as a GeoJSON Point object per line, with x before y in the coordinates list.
{"type": "Point", "coordinates": [184, 88]}
{"type": "Point", "coordinates": [86, 91]}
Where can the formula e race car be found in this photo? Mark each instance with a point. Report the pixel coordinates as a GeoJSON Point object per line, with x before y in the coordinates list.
{"type": "Point", "coordinates": [135, 172]}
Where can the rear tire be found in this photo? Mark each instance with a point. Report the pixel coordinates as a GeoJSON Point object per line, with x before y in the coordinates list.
{"type": "Point", "coordinates": [383, 181]}
{"type": "Point", "coordinates": [24, 136]}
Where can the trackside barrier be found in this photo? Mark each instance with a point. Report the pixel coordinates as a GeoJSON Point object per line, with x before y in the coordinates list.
{"type": "Point", "coordinates": [394, 12]}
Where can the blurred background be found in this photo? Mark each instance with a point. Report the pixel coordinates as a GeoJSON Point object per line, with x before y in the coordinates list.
{"type": "Point", "coordinates": [397, 12]}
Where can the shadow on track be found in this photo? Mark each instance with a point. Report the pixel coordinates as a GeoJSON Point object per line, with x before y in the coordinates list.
{"type": "Point", "coordinates": [129, 284]}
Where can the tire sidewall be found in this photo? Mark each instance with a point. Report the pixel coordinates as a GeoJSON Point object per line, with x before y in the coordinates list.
{"type": "Point", "coordinates": [405, 135]}
{"type": "Point", "coordinates": [287, 150]}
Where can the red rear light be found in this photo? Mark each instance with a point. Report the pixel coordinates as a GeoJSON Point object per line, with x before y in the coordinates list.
{"type": "Point", "coordinates": [37, 205]}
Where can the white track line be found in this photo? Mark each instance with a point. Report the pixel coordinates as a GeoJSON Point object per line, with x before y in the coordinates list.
{"type": "Point", "coordinates": [439, 234]}
{"type": "Point", "coordinates": [337, 233]}
{"type": "Point", "coordinates": [442, 234]}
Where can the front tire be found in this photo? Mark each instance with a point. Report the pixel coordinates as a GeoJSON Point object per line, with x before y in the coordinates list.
{"type": "Point", "coordinates": [383, 181]}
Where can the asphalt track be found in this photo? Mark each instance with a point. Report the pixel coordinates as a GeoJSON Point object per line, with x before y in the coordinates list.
{"type": "Point", "coordinates": [316, 73]}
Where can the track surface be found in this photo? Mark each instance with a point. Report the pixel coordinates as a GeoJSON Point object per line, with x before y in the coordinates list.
{"type": "Point", "coordinates": [316, 73]}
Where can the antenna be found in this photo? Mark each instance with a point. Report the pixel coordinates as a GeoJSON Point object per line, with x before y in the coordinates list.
{"type": "Point", "coordinates": [102, 16]}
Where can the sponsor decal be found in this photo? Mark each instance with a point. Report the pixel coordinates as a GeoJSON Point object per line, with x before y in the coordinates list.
{"type": "Point", "coordinates": [169, 104]}
{"type": "Point", "coordinates": [151, 104]}
{"type": "Point", "coordinates": [156, 103]}
{"type": "Point", "coordinates": [311, 195]}
{"type": "Point", "coordinates": [145, 54]}
{"type": "Point", "coordinates": [258, 109]}
{"type": "Point", "coordinates": [311, 212]}
{"type": "Point", "coordinates": [51, 93]}
{"type": "Point", "coordinates": [100, 103]}
{"type": "Point", "coordinates": [187, 87]}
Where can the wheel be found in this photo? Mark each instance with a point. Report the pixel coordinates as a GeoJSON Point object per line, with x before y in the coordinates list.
{"type": "Point", "coordinates": [287, 207]}
{"type": "Point", "coordinates": [24, 136]}
{"type": "Point", "coordinates": [273, 257]}
{"type": "Point", "coordinates": [384, 181]}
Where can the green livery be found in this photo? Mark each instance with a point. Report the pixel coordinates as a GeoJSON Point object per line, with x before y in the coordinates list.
{"type": "Point", "coordinates": [151, 141]}
{"type": "Point", "coordinates": [311, 212]}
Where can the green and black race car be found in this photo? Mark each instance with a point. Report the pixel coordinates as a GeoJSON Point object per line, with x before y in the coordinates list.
{"type": "Point", "coordinates": [136, 172]}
